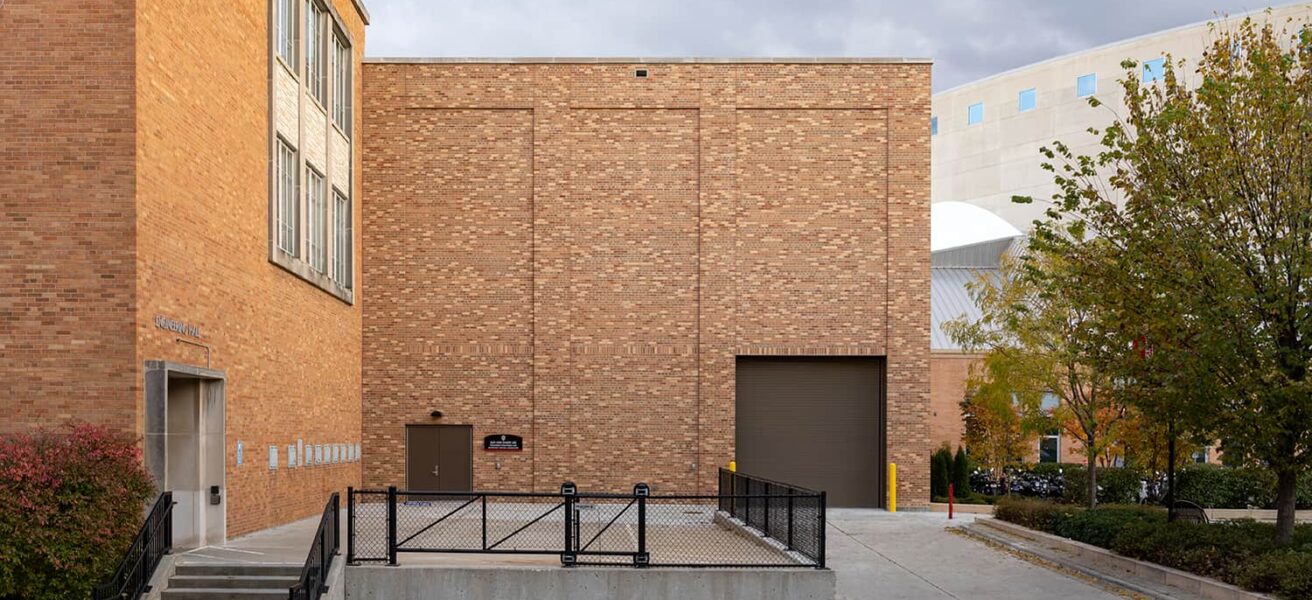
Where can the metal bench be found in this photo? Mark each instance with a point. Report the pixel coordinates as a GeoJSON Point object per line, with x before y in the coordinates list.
{"type": "Point", "coordinates": [1189, 512]}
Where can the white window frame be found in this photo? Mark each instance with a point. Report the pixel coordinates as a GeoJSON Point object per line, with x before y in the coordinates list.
{"type": "Point", "coordinates": [287, 221]}
{"type": "Point", "coordinates": [342, 66]}
{"type": "Point", "coordinates": [315, 28]}
{"type": "Point", "coordinates": [285, 24]}
{"type": "Point", "coordinates": [316, 212]}
{"type": "Point", "coordinates": [343, 239]}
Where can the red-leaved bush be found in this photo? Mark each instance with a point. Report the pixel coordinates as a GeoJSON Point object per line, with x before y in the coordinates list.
{"type": "Point", "coordinates": [70, 503]}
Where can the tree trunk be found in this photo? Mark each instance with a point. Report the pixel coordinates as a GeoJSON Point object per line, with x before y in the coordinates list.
{"type": "Point", "coordinates": [1090, 463]}
{"type": "Point", "coordinates": [1286, 496]}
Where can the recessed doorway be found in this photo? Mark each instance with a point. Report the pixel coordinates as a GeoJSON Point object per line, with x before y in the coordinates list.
{"type": "Point", "coordinates": [185, 448]}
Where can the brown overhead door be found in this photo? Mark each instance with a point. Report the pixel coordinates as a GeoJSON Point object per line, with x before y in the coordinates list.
{"type": "Point", "coordinates": [439, 457]}
{"type": "Point", "coordinates": [815, 422]}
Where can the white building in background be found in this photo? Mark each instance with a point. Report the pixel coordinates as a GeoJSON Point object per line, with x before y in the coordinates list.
{"type": "Point", "coordinates": [986, 134]}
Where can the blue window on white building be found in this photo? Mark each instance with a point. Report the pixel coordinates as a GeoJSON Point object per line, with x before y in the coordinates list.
{"type": "Point", "coordinates": [1086, 85]}
{"type": "Point", "coordinates": [975, 114]}
{"type": "Point", "coordinates": [933, 126]}
{"type": "Point", "coordinates": [1154, 70]}
{"type": "Point", "coordinates": [1028, 100]}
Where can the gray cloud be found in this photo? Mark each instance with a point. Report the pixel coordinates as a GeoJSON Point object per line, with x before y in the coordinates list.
{"type": "Point", "coordinates": [968, 39]}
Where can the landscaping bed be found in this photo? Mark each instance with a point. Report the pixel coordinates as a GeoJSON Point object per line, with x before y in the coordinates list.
{"type": "Point", "coordinates": [1237, 552]}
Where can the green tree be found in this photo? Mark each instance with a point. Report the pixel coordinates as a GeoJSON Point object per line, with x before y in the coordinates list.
{"type": "Point", "coordinates": [1201, 202]}
{"type": "Point", "coordinates": [940, 470]}
{"type": "Point", "coordinates": [1037, 341]}
{"type": "Point", "coordinates": [961, 473]}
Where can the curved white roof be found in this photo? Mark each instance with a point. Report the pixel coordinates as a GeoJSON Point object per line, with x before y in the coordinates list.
{"type": "Point", "coordinates": [956, 224]}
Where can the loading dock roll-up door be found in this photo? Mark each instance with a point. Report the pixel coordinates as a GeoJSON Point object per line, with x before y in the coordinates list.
{"type": "Point", "coordinates": [817, 422]}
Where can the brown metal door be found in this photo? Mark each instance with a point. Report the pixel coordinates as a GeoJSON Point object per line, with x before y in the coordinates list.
{"type": "Point", "coordinates": [815, 422]}
{"type": "Point", "coordinates": [439, 457]}
{"type": "Point", "coordinates": [456, 456]}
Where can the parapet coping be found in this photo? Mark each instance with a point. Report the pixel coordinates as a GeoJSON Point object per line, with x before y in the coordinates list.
{"type": "Point", "coordinates": [647, 60]}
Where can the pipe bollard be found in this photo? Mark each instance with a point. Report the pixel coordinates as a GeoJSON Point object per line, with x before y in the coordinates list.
{"type": "Point", "coordinates": [950, 492]}
{"type": "Point", "coordinates": [892, 487]}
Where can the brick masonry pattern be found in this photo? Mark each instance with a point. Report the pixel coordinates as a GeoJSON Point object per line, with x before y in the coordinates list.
{"type": "Point", "coordinates": [570, 253]}
{"type": "Point", "coordinates": [133, 183]}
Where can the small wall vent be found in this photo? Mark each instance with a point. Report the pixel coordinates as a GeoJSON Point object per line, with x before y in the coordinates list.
{"type": "Point", "coordinates": [640, 73]}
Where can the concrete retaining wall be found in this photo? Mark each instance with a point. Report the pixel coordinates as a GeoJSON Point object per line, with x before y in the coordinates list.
{"type": "Point", "coordinates": [421, 582]}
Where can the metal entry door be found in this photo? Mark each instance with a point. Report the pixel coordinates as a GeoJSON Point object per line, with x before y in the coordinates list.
{"type": "Point", "coordinates": [439, 457]}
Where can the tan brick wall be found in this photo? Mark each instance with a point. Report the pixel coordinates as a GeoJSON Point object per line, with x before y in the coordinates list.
{"type": "Point", "coordinates": [291, 352]}
{"type": "Point", "coordinates": [66, 213]}
{"type": "Point", "coordinates": [948, 372]}
{"type": "Point", "coordinates": [569, 253]}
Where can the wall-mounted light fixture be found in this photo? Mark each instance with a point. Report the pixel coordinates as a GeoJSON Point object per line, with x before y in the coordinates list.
{"type": "Point", "coordinates": [437, 414]}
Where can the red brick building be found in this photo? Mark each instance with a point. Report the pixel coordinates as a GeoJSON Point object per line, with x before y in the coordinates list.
{"type": "Point", "coordinates": [141, 287]}
{"type": "Point", "coordinates": [223, 233]}
{"type": "Point", "coordinates": [585, 254]}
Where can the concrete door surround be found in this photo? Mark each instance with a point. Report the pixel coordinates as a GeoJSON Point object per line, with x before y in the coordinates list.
{"type": "Point", "coordinates": [185, 447]}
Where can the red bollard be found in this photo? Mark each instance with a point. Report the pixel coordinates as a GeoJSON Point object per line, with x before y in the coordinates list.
{"type": "Point", "coordinates": [950, 490]}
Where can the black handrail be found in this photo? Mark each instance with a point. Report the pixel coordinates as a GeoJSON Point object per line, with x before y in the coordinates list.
{"type": "Point", "coordinates": [153, 541]}
{"type": "Point", "coordinates": [314, 575]}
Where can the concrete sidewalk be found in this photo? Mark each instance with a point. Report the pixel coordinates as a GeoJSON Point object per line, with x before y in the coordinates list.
{"type": "Point", "coordinates": [884, 555]}
{"type": "Point", "coordinates": [875, 554]}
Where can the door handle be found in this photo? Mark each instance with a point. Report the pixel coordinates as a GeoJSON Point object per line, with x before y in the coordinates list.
{"type": "Point", "coordinates": [435, 471]}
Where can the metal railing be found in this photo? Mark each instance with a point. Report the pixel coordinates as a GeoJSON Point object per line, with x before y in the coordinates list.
{"type": "Point", "coordinates": [791, 515]}
{"type": "Point", "coordinates": [153, 541]}
{"type": "Point", "coordinates": [314, 575]}
{"type": "Point", "coordinates": [637, 528]}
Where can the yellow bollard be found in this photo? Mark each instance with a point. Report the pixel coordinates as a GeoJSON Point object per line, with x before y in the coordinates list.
{"type": "Point", "coordinates": [733, 466]}
{"type": "Point", "coordinates": [892, 487]}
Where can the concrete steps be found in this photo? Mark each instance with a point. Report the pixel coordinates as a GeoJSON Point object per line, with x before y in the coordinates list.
{"type": "Point", "coordinates": [208, 581]}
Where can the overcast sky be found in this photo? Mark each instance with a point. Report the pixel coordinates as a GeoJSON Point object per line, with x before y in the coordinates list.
{"type": "Point", "coordinates": [968, 39]}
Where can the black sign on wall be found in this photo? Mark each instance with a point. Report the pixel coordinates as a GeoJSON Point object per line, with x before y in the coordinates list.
{"type": "Point", "coordinates": [503, 442]}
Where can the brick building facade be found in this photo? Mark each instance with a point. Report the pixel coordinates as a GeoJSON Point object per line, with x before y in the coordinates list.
{"type": "Point", "coordinates": [578, 252]}
{"type": "Point", "coordinates": [134, 247]}
{"type": "Point", "coordinates": [561, 251]}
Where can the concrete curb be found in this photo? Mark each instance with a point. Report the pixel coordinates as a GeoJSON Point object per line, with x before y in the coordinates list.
{"type": "Point", "coordinates": [965, 509]}
{"type": "Point", "coordinates": [1096, 562]}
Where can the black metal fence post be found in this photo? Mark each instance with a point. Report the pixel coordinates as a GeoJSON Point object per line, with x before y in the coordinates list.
{"type": "Point", "coordinates": [569, 557]}
{"type": "Point", "coordinates": [391, 525]}
{"type": "Point", "coordinates": [820, 561]}
{"type": "Point", "coordinates": [642, 558]}
{"type": "Point", "coordinates": [337, 523]}
{"type": "Point", "coordinates": [790, 518]}
{"type": "Point", "coordinates": [485, 521]}
{"type": "Point", "coordinates": [350, 525]}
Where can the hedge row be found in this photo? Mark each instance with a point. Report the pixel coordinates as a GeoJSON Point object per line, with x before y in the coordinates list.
{"type": "Point", "coordinates": [1210, 486]}
{"type": "Point", "coordinates": [1237, 552]}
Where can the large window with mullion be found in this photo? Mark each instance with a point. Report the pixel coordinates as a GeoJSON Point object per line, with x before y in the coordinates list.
{"type": "Point", "coordinates": [287, 221]}
{"type": "Point", "coordinates": [315, 29]}
{"type": "Point", "coordinates": [342, 239]}
{"type": "Point", "coordinates": [317, 215]}
{"type": "Point", "coordinates": [342, 84]}
{"type": "Point", "coordinates": [285, 23]}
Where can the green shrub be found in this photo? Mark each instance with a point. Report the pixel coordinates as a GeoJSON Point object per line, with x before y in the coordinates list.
{"type": "Point", "coordinates": [1115, 485]}
{"type": "Point", "coordinates": [72, 504]}
{"type": "Point", "coordinates": [1212, 486]}
{"type": "Point", "coordinates": [1285, 573]}
{"type": "Point", "coordinates": [1041, 515]}
{"type": "Point", "coordinates": [961, 473]}
{"type": "Point", "coordinates": [1213, 550]}
{"type": "Point", "coordinates": [1101, 525]}
{"type": "Point", "coordinates": [939, 472]}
